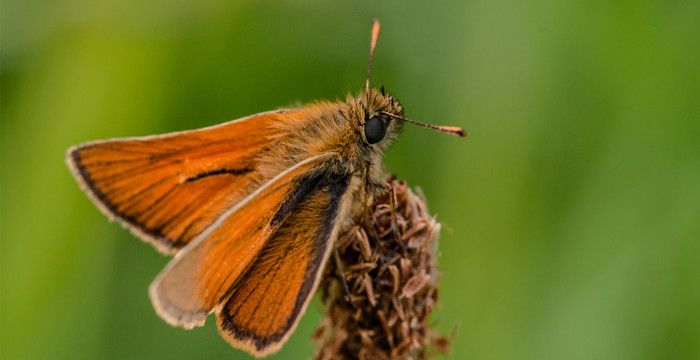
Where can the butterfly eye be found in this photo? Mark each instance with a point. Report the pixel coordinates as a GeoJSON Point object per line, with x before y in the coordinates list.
{"type": "Point", "coordinates": [374, 130]}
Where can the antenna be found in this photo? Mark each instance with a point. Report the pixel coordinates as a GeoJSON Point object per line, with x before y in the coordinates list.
{"type": "Point", "coordinates": [447, 129]}
{"type": "Point", "coordinates": [372, 46]}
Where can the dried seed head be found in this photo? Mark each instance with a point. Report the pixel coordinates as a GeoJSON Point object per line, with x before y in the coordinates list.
{"type": "Point", "coordinates": [380, 307]}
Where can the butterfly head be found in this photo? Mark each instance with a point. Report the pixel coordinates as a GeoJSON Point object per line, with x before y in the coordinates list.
{"type": "Point", "coordinates": [383, 114]}
{"type": "Point", "coordinates": [359, 129]}
{"type": "Point", "coordinates": [378, 123]}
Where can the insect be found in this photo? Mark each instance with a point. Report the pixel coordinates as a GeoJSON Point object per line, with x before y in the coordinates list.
{"type": "Point", "coordinates": [249, 208]}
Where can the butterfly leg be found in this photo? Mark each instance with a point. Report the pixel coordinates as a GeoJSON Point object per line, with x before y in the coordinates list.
{"type": "Point", "coordinates": [371, 188]}
{"type": "Point", "coordinates": [340, 271]}
{"type": "Point", "coordinates": [394, 221]}
{"type": "Point", "coordinates": [385, 189]}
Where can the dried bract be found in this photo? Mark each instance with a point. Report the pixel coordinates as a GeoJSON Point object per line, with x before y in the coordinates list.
{"type": "Point", "coordinates": [379, 307]}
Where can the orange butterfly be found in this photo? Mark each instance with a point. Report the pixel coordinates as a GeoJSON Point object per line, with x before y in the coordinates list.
{"type": "Point", "coordinates": [250, 208]}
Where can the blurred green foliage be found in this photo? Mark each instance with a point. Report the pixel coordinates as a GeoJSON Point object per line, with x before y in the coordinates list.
{"type": "Point", "coordinates": [572, 212]}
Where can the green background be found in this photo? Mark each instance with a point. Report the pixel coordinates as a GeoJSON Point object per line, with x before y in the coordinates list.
{"type": "Point", "coordinates": [571, 212]}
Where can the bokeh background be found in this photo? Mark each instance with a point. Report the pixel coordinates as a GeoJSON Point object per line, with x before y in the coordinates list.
{"type": "Point", "coordinates": [571, 212]}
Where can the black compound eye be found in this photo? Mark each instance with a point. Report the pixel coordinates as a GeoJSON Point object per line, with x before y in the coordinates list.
{"type": "Point", "coordinates": [374, 130]}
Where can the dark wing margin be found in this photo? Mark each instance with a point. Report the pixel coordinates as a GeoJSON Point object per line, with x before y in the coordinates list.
{"type": "Point", "coordinates": [266, 303]}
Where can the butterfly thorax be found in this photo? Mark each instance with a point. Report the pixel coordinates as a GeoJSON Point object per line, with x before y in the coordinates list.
{"type": "Point", "coordinates": [337, 127]}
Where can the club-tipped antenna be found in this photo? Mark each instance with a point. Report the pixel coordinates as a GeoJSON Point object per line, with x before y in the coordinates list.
{"type": "Point", "coordinates": [454, 130]}
{"type": "Point", "coordinates": [372, 46]}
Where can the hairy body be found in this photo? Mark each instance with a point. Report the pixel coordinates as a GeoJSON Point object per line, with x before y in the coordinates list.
{"type": "Point", "coordinates": [337, 128]}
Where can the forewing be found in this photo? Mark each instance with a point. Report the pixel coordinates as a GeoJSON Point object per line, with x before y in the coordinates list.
{"type": "Point", "coordinates": [266, 304]}
{"type": "Point", "coordinates": [202, 276]}
{"type": "Point", "coordinates": [168, 188]}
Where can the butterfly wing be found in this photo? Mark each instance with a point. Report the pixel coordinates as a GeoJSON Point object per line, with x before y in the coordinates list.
{"type": "Point", "coordinates": [259, 265]}
{"type": "Point", "coordinates": [168, 188]}
{"type": "Point", "coordinates": [266, 304]}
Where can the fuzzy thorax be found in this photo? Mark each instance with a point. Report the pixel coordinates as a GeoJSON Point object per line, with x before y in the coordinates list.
{"type": "Point", "coordinates": [337, 127]}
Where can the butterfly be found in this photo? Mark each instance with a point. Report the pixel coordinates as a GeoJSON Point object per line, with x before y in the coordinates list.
{"type": "Point", "coordinates": [250, 208]}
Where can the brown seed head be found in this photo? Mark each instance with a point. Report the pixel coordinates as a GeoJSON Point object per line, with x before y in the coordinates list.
{"type": "Point", "coordinates": [388, 263]}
